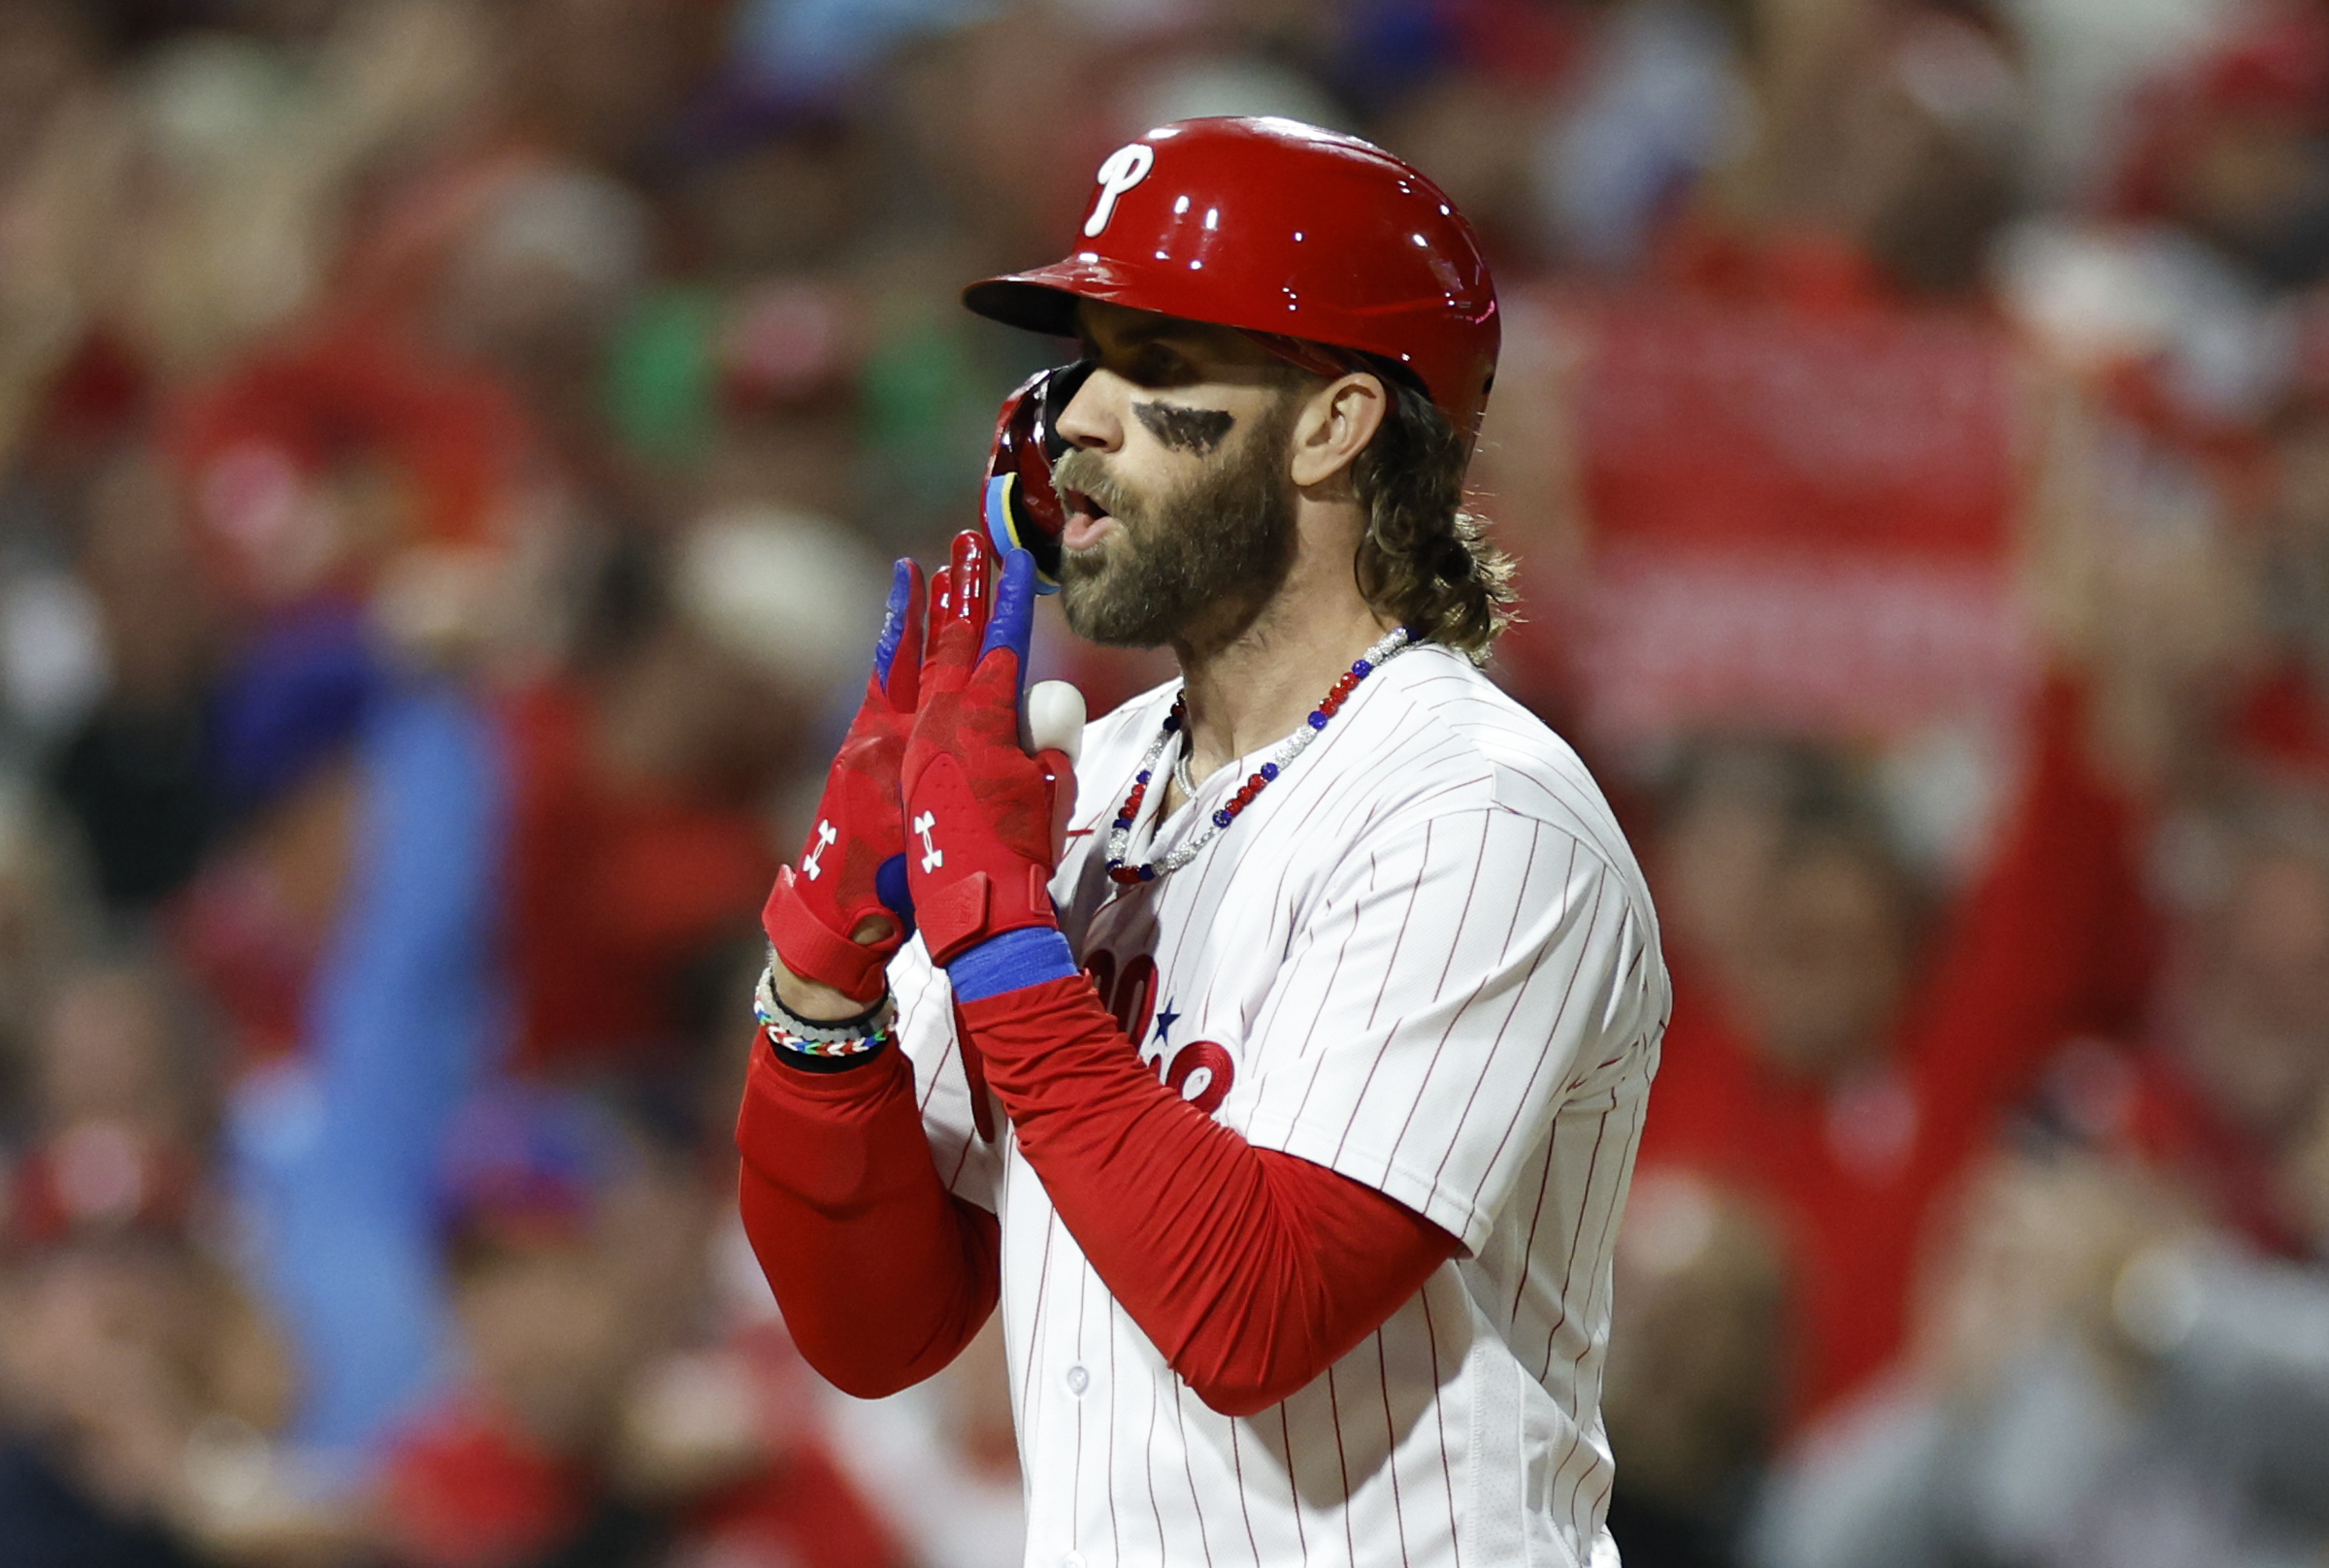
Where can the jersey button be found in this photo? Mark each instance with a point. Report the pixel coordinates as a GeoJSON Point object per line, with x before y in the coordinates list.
{"type": "Point", "coordinates": [1078, 1380]}
{"type": "Point", "coordinates": [1073, 1559]}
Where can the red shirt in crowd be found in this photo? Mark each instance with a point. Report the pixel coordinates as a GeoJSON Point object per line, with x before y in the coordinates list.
{"type": "Point", "coordinates": [464, 1488]}
{"type": "Point", "coordinates": [613, 893]}
{"type": "Point", "coordinates": [2047, 945]}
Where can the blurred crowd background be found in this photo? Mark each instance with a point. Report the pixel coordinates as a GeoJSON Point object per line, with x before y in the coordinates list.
{"type": "Point", "coordinates": [449, 452]}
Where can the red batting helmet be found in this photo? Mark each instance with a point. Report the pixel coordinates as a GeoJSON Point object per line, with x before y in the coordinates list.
{"type": "Point", "coordinates": [1283, 230]}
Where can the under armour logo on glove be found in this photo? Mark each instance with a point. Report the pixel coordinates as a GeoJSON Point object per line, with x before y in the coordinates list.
{"type": "Point", "coordinates": [827, 836]}
{"type": "Point", "coordinates": [966, 763]}
{"type": "Point", "coordinates": [815, 916]}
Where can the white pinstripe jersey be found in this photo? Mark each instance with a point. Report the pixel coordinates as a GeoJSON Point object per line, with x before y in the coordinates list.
{"type": "Point", "coordinates": [1426, 959]}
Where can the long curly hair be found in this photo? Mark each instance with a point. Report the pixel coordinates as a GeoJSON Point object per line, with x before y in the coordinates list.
{"type": "Point", "coordinates": [1423, 558]}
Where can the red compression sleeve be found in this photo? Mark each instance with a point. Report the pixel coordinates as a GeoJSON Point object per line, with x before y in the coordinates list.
{"type": "Point", "coordinates": [1251, 1271]}
{"type": "Point", "coordinates": [883, 1275]}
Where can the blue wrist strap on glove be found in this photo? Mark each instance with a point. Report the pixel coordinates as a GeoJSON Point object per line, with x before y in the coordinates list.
{"type": "Point", "coordinates": [1011, 961]}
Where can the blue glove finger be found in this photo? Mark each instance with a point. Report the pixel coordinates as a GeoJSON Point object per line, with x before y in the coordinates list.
{"type": "Point", "coordinates": [1012, 622]}
{"type": "Point", "coordinates": [890, 887]}
{"type": "Point", "coordinates": [894, 623]}
{"type": "Point", "coordinates": [1006, 529]}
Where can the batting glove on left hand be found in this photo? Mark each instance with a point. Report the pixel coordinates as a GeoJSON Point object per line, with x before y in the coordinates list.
{"type": "Point", "coordinates": [853, 868]}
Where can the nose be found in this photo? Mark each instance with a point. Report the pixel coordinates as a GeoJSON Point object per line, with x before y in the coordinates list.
{"type": "Point", "coordinates": [1094, 418]}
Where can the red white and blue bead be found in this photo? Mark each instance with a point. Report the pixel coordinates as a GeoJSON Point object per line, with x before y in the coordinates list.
{"type": "Point", "coordinates": [1120, 832]}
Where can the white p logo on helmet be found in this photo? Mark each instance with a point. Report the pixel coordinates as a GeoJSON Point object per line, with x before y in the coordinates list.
{"type": "Point", "coordinates": [1124, 167]}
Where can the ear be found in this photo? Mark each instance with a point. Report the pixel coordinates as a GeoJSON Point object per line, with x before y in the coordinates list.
{"type": "Point", "coordinates": [1335, 423]}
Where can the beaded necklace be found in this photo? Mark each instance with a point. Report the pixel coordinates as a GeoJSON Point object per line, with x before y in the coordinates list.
{"type": "Point", "coordinates": [1120, 832]}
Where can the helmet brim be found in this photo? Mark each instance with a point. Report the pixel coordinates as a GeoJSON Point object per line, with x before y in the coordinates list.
{"type": "Point", "coordinates": [1043, 299]}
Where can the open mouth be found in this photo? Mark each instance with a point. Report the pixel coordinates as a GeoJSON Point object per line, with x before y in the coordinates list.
{"type": "Point", "coordinates": [1085, 517]}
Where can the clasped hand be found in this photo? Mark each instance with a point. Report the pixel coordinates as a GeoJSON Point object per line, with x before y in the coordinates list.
{"type": "Point", "coordinates": [937, 813]}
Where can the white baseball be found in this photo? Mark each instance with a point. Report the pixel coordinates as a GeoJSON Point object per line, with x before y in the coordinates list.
{"type": "Point", "coordinates": [1054, 717]}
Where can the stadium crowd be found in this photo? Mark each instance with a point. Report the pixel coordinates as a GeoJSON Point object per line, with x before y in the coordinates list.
{"type": "Point", "coordinates": [448, 454]}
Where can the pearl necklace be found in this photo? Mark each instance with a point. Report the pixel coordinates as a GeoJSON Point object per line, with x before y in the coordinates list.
{"type": "Point", "coordinates": [1120, 832]}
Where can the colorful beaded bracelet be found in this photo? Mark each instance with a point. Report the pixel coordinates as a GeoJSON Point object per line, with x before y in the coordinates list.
{"type": "Point", "coordinates": [787, 1030]}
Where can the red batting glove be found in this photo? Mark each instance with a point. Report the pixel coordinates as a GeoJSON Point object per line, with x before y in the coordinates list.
{"type": "Point", "coordinates": [853, 868]}
{"type": "Point", "coordinates": [979, 811]}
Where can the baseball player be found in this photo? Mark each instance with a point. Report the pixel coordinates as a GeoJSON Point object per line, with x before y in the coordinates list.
{"type": "Point", "coordinates": [1279, 1070]}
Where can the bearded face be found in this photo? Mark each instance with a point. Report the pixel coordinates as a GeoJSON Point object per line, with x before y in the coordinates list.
{"type": "Point", "coordinates": [1193, 563]}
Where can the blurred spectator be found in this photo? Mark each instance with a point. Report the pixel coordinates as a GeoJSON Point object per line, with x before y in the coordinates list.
{"type": "Point", "coordinates": [641, 836]}
{"type": "Point", "coordinates": [1827, 1057]}
{"type": "Point", "coordinates": [2234, 1092]}
{"type": "Point", "coordinates": [1695, 1369]}
{"type": "Point", "coordinates": [1896, 127]}
{"type": "Point", "coordinates": [283, 726]}
{"type": "Point", "coordinates": [135, 776]}
{"type": "Point", "coordinates": [114, 1051]}
{"type": "Point", "coordinates": [348, 466]}
{"type": "Point", "coordinates": [1662, 102]}
{"type": "Point", "coordinates": [2108, 1386]}
{"type": "Point", "coordinates": [603, 80]}
{"type": "Point", "coordinates": [591, 1420]}
{"type": "Point", "coordinates": [2111, 1369]}
{"type": "Point", "coordinates": [125, 1352]}
{"type": "Point", "coordinates": [128, 1351]}
{"type": "Point", "coordinates": [387, 869]}
{"type": "Point", "coordinates": [2236, 150]}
